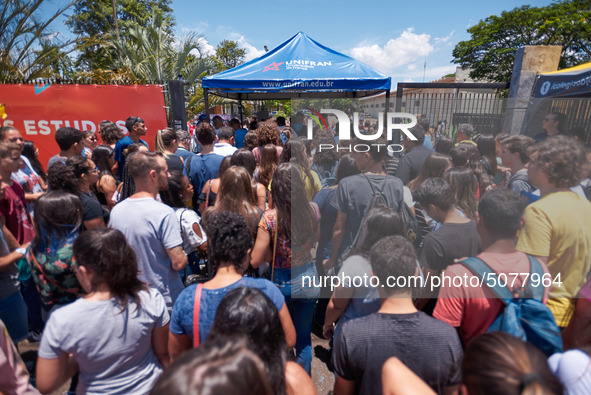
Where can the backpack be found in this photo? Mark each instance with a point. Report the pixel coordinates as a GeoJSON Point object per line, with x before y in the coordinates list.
{"type": "Point", "coordinates": [524, 315]}
{"type": "Point", "coordinates": [412, 229]}
{"type": "Point", "coordinates": [327, 178]}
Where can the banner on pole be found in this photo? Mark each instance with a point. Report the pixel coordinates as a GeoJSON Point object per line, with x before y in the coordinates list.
{"type": "Point", "coordinates": [38, 110]}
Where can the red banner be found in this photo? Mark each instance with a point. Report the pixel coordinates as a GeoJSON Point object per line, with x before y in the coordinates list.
{"type": "Point", "coordinates": [39, 110]}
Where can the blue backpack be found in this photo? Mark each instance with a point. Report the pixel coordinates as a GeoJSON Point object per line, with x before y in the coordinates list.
{"type": "Point", "coordinates": [327, 178]}
{"type": "Point", "coordinates": [524, 316]}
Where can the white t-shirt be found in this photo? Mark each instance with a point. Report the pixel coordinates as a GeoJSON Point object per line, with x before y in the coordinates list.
{"type": "Point", "coordinates": [150, 228]}
{"type": "Point", "coordinates": [187, 218]}
{"type": "Point", "coordinates": [113, 349]}
{"type": "Point", "coordinates": [224, 149]}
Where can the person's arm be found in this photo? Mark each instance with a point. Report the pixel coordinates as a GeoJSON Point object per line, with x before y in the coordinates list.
{"type": "Point", "coordinates": [53, 373]}
{"type": "Point", "coordinates": [297, 380]}
{"type": "Point", "coordinates": [32, 197]}
{"type": "Point", "coordinates": [336, 306]}
{"type": "Point", "coordinates": [202, 205]}
{"type": "Point", "coordinates": [108, 185]}
{"type": "Point", "coordinates": [177, 257]}
{"type": "Point", "coordinates": [160, 344]}
{"type": "Point", "coordinates": [198, 232]}
{"type": "Point", "coordinates": [288, 328]}
{"type": "Point", "coordinates": [7, 261]}
{"type": "Point", "coordinates": [397, 379]}
{"type": "Point", "coordinates": [338, 233]}
{"type": "Point", "coordinates": [262, 249]}
{"type": "Point", "coordinates": [10, 239]}
{"type": "Point", "coordinates": [261, 196]}
{"type": "Point", "coordinates": [98, 222]}
{"type": "Point", "coordinates": [177, 344]}
{"type": "Point", "coordinates": [344, 387]}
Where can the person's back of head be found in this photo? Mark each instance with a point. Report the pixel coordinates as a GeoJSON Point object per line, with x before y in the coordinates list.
{"type": "Point", "coordinates": [229, 239]}
{"type": "Point", "coordinates": [244, 158]}
{"type": "Point", "coordinates": [423, 123]}
{"type": "Point", "coordinates": [59, 215]}
{"type": "Point", "coordinates": [226, 133]}
{"type": "Point", "coordinates": [463, 183]}
{"type": "Point", "coordinates": [561, 159]}
{"type": "Point", "coordinates": [459, 155]}
{"type": "Point", "coordinates": [205, 133]}
{"type": "Point", "coordinates": [172, 196]}
{"type": "Point", "coordinates": [347, 167]}
{"type": "Point", "coordinates": [223, 366]}
{"type": "Point", "coordinates": [217, 122]}
{"type": "Point", "coordinates": [377, 150]}
{"type": "Point", "coordinates": [466, 130]}
{"type": "Point", "coordinates": [109, 132]}
{"type": "Point", "coordinates": [444, 145]}
{"type": "Point", "coordinates": [165, 139]}
{"type": "Point", "coordinates": [66, 137]}
{"type": "Point", "coordinates": [142, 163]}
{"type": "Point", "coordinates": [61, 177]}
{"type": "Point", "coordinates": [418, 132]}
{"type": "Point", "coordinates": [235, 123]}
{"type": "Point", "coordinates": [249, 312]}
{"type": "Point", "coordinates": [501, 211]}
{"type": "Point", "coordinates": [435, 191]}
{"type": "Point", "coordinates": [183, 136]}
{"type": "Point", "coordinates": [381, 221]}
{"type": "Point", "coordinates": [394, 257]}
{"type": "Point", "coordinates": [251, 140]}
{"type": "Point", "coordinates": [498, 363]}
{"type": "Point", "coordinates": [280, 121]}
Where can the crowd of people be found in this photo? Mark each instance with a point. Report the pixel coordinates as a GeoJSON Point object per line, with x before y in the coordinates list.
{"type": "Point", "coordinates": [197, 265]}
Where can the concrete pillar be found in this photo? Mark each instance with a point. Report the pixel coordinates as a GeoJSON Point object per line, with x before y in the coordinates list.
{"type": "Point", "coordinates": [530, 61]}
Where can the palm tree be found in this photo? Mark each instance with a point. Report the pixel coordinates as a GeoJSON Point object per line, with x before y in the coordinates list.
{"type": "Point", "coordinates": [28, 49]}
{"type": "Point", "coordinates": [151, 53]}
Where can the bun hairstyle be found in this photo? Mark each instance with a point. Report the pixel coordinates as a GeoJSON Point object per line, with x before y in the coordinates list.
{"type": "Point", "coordinates": [498, 363]}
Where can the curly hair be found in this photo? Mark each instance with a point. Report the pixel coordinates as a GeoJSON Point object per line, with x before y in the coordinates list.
{"type": "Point", "coordinates": [561, 158]}
{"type": "Point", "coordinates": [61, 177]}
{"type": "Point", "coordinates": [251, 140]}
{"type": "Point", "coordinates": [268, 133]}
{"type": "Point", "coordinates": [109, 132]}
{"type": "Point", "coordinates": [229, 239]}
{"type": "Point", "coordinates": [325, 157]}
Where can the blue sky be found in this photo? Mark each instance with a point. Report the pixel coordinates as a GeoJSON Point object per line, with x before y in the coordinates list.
{"type": "Point", "coordinates": [395, 37]}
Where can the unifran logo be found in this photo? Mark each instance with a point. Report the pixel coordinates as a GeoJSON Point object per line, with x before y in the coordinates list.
{"type": "Point", "coordinates": [273, 66]}
{"type": "Point", "coordinates": [305, 64]}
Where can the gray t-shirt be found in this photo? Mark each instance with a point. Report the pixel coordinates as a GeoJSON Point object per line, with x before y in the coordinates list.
{"type": "Point", "coordinates": [353, 197]}
{"type": "Point", "coordinates": [427, 346]}
{"type": "Point", "coordinates": [150, 228]}
{"type": "Point", "coordinates": [356, 273]}
{"type": "Point", "coordinates": [113, 349]}
{"type": "Point", "coordinates": [519, 182]}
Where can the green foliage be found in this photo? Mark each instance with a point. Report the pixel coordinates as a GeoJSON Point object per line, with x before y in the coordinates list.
{"type": "Point", "coordinates": [28, 49]}
{"type": "Point", "coordinates": [228, 54]}
{"type": "Point", "coordinates": [490, 52]}
{"type": "Point", "coordinates": [93, 22]}
{"type": "Point", "coordinates": [150, 53]}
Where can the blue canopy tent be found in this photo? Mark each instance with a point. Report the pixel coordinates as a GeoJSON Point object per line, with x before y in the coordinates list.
{"type": "Point", "coordinates": [298, 68]}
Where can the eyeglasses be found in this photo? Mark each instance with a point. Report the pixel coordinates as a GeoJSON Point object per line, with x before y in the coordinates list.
{"type": "Point", "coordinates": [15, 139]}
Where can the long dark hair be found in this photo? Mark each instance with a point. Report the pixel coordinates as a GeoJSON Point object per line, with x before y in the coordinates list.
{"type": "Point", "coordinates": [268, 164]}
{"type": "Point", "coordinates": [29, 151]}
{"type": "Point", "coordinates": [248, 311]}
{"type": "Point", "coordinates": [381, 222]}
{"type": "Point", "coordinates": [244, 158]}
{"type": "Point", "coordinates": [105, 252]}
{"type": "Point", "coordinates": [487, 147]}
{"type": "Point", "coordinates": [433, 167]}
{"type": "Point", "coordinates": [463, 183]}
{"type": "Point", "coordinates": [100, 157]}
{"type": "Point", "coordinates": [58, 219]}
{"type": "Point", "coordinates": [289, 196]}
{"type": "Point", "coordinates": [172, 196]}
{"type": "Point", "coordinates": [347, 167]}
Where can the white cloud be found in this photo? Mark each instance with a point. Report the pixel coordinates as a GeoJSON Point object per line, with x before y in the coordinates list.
{"type": "Point", "coordinates": [412, 66]}
{"type": "Point", "coordinates": [398, 51]}
{"type": "Point", "coordinates": [251, 51]}
{"type": "Point", "coordinates": [206, 48]}
{"type": "Point", "coordinates": [446, 39]}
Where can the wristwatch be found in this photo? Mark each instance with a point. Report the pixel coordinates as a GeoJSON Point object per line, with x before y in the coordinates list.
{"type": "Point", "coordinates": [22, 251]}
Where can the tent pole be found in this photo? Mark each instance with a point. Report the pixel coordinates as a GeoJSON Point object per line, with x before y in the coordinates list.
{"type": "Point", "coordinates": [206, 100]}
{"type": "Point", "coordinates": [240, 108]}
{"type": "Point", "coordinates": [387, 107]}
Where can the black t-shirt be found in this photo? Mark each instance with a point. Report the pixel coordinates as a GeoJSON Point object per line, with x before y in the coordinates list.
{"type": "Point", "coordinates": [411, 163]}
{"type": "Point", "coordinates": [174, 163]}
{"type": "Point", "coordinates": [451, 241]}
{"type": "Point", "coordinates": [353, 197]}
{"type": "Point", "coordinates": [427, 346]}
{"type": "Point", "coordinates": [93, 208]}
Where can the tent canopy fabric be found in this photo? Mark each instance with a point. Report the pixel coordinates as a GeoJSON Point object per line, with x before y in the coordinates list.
{"type": "Point", "coordinates": [298, 68]}
{"type": "Point", "coordinates": [571, 82]}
